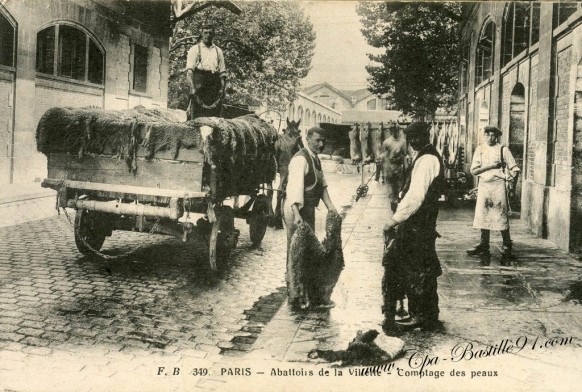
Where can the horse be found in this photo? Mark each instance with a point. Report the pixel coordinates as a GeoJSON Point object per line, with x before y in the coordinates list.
{"type": "Point", "coordinates": [286, 146]}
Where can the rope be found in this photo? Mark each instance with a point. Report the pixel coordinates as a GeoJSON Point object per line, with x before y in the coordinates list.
{"type": "Point", "coordinates": [362, 190]}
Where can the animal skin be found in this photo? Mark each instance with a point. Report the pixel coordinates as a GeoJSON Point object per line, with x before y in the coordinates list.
{"type": "Point", "coordinates": [365, 142]}
{"type": "Point", "coordinates": [361, 351]}
{"type": "Point", "coordinates": [376, 141]}
{"type": "Point", "coordinates": [355, 147]}
{"type": "Point", "coordinates": [314, 267]}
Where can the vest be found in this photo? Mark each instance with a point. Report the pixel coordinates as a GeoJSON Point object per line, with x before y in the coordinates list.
{"type": "Point", "coordinates": [425, 218]}
{"type": "Point", "coordinates": [312, 182]}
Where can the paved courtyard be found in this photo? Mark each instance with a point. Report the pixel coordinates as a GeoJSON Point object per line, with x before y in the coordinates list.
{"type": "Point", "coordinates": [155, 321]}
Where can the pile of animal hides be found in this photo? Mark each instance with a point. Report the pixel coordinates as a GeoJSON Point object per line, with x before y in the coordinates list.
{"type": "Point", "coordinates": [313, 267]}
{"type": "Point", "coordinates": [242, 149]}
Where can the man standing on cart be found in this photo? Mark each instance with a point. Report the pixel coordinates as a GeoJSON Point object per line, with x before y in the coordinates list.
{"type": "Point", "coordinates": [206, 74]}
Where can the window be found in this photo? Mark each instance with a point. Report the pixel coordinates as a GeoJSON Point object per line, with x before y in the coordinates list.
{"type": "Point", "coordinates": [69, 52]}
{"type": "Point", "coordinates": [71, 61]}
{"type": "Point", "coordinates": [140, 68]}
{"type": "Point", "coordinates": [485, 51]}
{"type": "Point", "coordinates": [520, 28]}
{"type": "Point", "coordinates": [371, 104]}
{"type": "Point", "coordinates": [6, 42]}
{"type": "Point", "coordinates": [563, 10]}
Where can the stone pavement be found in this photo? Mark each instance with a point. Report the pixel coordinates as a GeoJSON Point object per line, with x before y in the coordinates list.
{"type": "Point", "coordinates": [21, 203]}
{"type": "Point", "coordinates": [85, 326]}
{"type": "Point", "coordinates": [69, 322]}
{"type": "Point", "coordinates": [533, 305]}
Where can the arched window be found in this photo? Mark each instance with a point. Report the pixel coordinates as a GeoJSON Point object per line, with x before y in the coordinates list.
{"type": "Point", "coordinates": [371, 104]}
{"type": "Point", "coordinates": [76, 55]}
{"type": "Point", "coordinates": [7, 41]}
{"type": "Point", "coordinates": [307, 116]}
{"type": "Point", "coordinates": [485, 52]}
{"type": "Point", "coordinates": [291, 113]}
{"type": "Point", "coordinates": [300, 114]}
{"type": "Point", "coordinates": [520, 28]}
{"type": "Point", "coordinates": [314, 119]}
{"type": "Point", "coordinates": [319, 118]}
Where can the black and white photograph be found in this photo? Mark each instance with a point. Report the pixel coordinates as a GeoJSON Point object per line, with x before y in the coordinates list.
{"type": "Point", "coordinates": [290, 195]}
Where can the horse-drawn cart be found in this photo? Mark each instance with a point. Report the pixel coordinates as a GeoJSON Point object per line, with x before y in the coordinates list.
{"type": "Point", "coordinates": [142, 170]}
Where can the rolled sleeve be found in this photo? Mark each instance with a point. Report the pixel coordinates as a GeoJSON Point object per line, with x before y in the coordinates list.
{"type": "Point", "coordinates": [191, 58]}
{"type": "Point", "coordinates": [424, 172]}
{"type": "Point", "coordinates": [476, 163]}
{"type": "Point", "coordinates": [295, 185]}
{"type": "Point", "coordinates": [511, 164]}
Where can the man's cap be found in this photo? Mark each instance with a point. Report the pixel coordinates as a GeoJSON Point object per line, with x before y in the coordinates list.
{"type": "Point", "coordinates": [491, 128]}
{"type": "Point", "coordinates": [417, 129]}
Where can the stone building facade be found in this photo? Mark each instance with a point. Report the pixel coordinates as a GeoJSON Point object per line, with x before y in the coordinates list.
{"type": "Point", "coordinates": [311, 112]}
{"type": "Point", "coordinates": [521, 70]}
{"type": "Point", "coordinates": [361, 99]}
{"type": "Point", "coordinates": [111, 54]}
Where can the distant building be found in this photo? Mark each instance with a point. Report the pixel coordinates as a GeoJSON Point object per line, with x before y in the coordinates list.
{"type": "Point", "coordinates": [361, 99]}
{"type": "Point", "coordinates": [355, 105]}
{"type": "Point", "coordinates": [111, 54]}
{"type": "Point", "coordinates": [310, 111]}
{"type": "Point", "coordinates": [521, 70]}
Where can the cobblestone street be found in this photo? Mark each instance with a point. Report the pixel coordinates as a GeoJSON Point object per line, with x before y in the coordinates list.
{"type": "Point", "coordinates": [154, 321]}
{"type": "Point", "coordinates": [63, 311]}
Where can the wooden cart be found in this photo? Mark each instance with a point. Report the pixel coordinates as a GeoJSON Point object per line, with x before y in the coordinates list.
{"type": "Point", "coordinates": [180, 197]}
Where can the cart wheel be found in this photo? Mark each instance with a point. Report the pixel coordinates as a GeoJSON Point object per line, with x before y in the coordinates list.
{"type": "Point", "coordinates": [223, 237]}
{"type": "Point", "coordinates": [259, 219]}
{"type": "Point", "coordinates": [89, 229]}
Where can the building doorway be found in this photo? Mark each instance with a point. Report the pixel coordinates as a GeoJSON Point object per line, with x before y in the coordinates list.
{"type": "Point", "coordinates": [516, 137]}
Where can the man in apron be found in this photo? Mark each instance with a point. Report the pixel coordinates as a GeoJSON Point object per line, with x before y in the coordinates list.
{"type": "Point", "coordinates": [206, 74]}
{"type": "Point", "coordinates": [416, 217]}
{"type": "Point", "coordinates": [494, 165]}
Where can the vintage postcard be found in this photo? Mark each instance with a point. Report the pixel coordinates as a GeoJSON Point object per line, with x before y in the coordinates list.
{"type": "Point", "coordinates": [290, 195]}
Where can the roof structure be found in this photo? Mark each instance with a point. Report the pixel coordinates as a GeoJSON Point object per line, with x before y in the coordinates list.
{"type": "Point", "coordinates": [311, 89]}
{"type": "Point", "coordinates": [358, 94]}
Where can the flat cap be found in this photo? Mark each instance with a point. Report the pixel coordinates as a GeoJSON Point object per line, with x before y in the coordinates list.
{"type": "Point", "coordinates": [417, 128]}
{"type": "Point", "coordinates": [491, 128]}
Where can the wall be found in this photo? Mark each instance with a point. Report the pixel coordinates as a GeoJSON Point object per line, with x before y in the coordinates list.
{"type": "Point", "coordinates": [551, 183]}
{"type": "Point", "coordinates": [115, 33]}
{"type": "Point", "coordinates": [304, 104]}
{"type": "Point", "coordinates": [333, 99]}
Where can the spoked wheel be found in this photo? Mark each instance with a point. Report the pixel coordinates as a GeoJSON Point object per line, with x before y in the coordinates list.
{"type": "Point", "coordinates": [90, 231]}
{"type": "Point", "coordinates": [259, 219]}
{"type": "Point", "coordinates": [222, 238]}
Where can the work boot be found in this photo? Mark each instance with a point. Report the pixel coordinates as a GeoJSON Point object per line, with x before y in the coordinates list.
{"type": "Point", "coordinates": [481, 249]}
{"type": "Point", "coordinates": [506, 253]}
{"type": "Point", "coordinates": [423, 323]}
{"type": "Point", "coordinates": [390, 328]}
